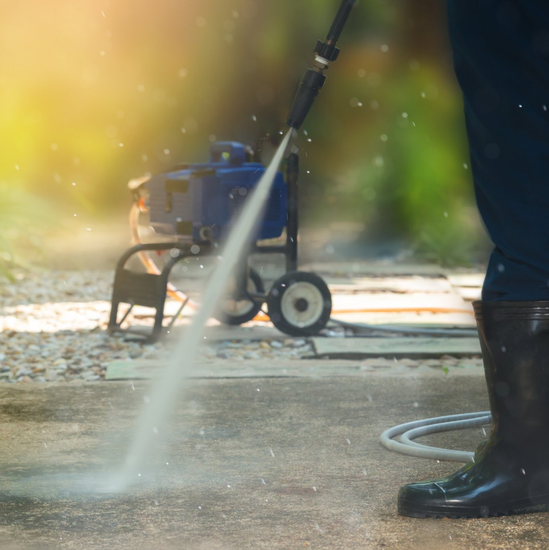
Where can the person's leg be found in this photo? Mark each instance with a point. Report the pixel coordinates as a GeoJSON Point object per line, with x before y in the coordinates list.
{"type": "Point", "coordinates": [501, 51]}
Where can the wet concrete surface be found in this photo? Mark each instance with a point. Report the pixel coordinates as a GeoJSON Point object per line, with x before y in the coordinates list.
{"type": "Point", "coordinates": [247, 463]}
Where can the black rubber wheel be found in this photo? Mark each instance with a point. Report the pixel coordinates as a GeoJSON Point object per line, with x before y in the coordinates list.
{"type": "Point", "coordinates": [238, 312]}
{"type": "Point", "coordinates": [300, 304]}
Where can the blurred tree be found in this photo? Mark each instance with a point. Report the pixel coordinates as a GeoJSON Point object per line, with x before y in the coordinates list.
{"type": "Point", "coordinates": [96, 93]}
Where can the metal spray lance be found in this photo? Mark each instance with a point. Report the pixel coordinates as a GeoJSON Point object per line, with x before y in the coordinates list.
{"type": "Point", "coordinates": [313, 80]}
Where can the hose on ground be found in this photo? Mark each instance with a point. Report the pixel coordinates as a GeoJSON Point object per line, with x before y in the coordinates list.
{"type": "Point", "coordinates": [412, 430]}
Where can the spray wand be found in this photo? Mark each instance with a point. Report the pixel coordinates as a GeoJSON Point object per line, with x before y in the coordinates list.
{"type": "Point", "coordinates": [313, 80]}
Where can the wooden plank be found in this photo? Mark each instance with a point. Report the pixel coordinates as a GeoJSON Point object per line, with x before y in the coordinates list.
{"type": "Point", "coordinates": [374, 269]}
{"type": "Point", "coordinates": [398, 285]}
{"type": "Point", "coordinates": [150, 369]}
{"type": "Point", "coordinates": [384, 302]}
{"type": "Point", "coordinates": [356, 348]}
{"type": "Point", "coordinates": [472, 280]}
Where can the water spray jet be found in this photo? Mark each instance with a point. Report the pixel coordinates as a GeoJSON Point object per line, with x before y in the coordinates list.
{"type": "Point", "coordinates": [298, 293]}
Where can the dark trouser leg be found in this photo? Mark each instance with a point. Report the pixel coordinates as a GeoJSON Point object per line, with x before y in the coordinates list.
{"type": "Point", "coordinates": [501, 54]}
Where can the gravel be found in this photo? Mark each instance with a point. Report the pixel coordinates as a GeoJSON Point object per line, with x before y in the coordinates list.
{"type": "Point", "coordinates": [52, 329]}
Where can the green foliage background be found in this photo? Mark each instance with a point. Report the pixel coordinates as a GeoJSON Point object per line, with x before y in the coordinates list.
{"type": "Point", "coordinates": [96, 92]}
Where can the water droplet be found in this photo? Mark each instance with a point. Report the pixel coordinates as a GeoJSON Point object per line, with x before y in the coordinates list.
{"type": "Point", "coordinates": [384, 48]}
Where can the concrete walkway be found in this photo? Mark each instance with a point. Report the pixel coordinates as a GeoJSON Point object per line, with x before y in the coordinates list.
{"type": "Point", "coordinates": [249, 463]}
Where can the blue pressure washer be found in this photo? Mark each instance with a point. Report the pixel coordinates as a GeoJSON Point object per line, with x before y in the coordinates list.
{"type": "Point", "coordinates": [199, 200]}
{"type": "Point", "coordinates": [193, 206]}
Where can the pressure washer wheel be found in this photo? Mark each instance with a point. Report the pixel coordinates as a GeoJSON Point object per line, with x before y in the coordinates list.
{"type": "Point", "coordinates": [238, 312]}
{"type": "Point", "coordinates": [300, 303]}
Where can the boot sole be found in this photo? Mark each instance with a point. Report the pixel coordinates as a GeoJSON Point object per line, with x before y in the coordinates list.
{"type": "Point", "coordinates": [523, 506]}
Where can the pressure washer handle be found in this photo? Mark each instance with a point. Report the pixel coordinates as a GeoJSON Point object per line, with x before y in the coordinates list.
{"type": "Point", "coordinates": [314, 78]}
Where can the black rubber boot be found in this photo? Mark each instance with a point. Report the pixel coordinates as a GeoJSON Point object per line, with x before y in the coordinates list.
{"type": "Point", "coordinates": [510, 473]}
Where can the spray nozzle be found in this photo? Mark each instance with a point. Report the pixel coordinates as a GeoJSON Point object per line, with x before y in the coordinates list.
{"type": "Point", "coordinates": [310, 87]}
{"type": "Point", "coordinates": [312, 82]}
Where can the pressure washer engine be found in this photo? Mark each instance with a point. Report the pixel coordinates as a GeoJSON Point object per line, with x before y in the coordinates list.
{"type": "Point", "coordinates": [192, 206]}
{"type": "Point", "coordinates": [199, 200]}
